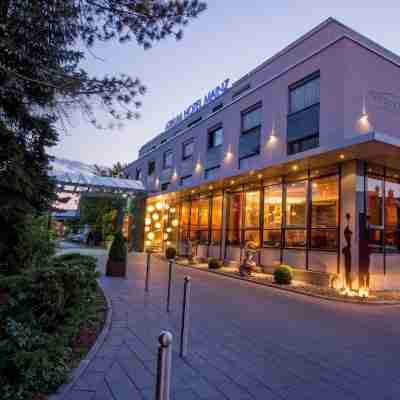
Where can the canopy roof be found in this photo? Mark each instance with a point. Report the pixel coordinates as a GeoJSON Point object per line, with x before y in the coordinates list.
{"type": "Point", "coordinates": [73, 177]}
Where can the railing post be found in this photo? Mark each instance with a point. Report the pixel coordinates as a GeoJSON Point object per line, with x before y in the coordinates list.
{"type": "Point", "coordinates": [164, 366]}
{"type": "Point", "coordinates": [169, 286]}
{"type": "Point", "coordinates": [185, 318]}
{"type": "Point", "coordinates": [147, 271]}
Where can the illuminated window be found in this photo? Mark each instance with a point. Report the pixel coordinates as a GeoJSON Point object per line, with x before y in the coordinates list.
{"type": "Point", "coordinates": [234, 219]}
{"type": "Point", "coordinates": [216, 220]}
{"type": "Point", "coordinates": [392, 213]}
{"type": "Point", "coordinates": [296, 214]}
{"type": "Point", "coordinates": [199, 220]}
{"type": "Point", "coordinates": [252, 217]}
{"type": "Point", "coordinates": [324, 213]}
{"type": "Point", "coordinates": [272, 216]}
{"type": "Point", "coordinates": [184, 221]}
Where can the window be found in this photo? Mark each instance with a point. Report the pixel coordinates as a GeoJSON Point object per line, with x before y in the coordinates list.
{"type": "Point", "coordinates": [272, 216]}
{"type": "Point", "coordinates": [252, 217]}
{"type": "Point", "coordinates": [392, 213]}
{"type": "Point", "coordinates": [184, 221]}
{"type": "Point", "coordinates": [215, 137]}
{"type": "Point", "coordinates": [296, 214]}
{"type": "Point", "coordinates": [241, 91]}
{"type": "Point", "coordinates": [165, 186]}
{"type": "Point", "coordinates": [216, 219]}
{"type": "Point", "coordinates": [138, 175]}
{"type": "Point", "coordinates": [304, 113]}
{"type": "Point", "coordinates": [234, 219]}
{"type": "Point", "coordinates": [187, 149]}
{"type": "Point", "coordinates": [199, 220]}
{"type": "Point", "coordinates": [375, 223]}
{"type": "Point", "coordinates": [186, 180]}
{"type": "Point", "coordinates": [151, 167]}
{"type": "Point", "coordinates": [305, 93]}
{"type": "Point", "coordinates": [168, 159]}
{"type": "Point", "coordinates": [211, 173]}
{"type": "Point", "coordinates": [249, 141]}
{"type": "Point", "coordinates": [324, 213]}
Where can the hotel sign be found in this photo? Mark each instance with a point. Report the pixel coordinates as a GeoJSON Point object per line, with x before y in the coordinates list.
{"type": "Point", "coordinates": [199, 104]}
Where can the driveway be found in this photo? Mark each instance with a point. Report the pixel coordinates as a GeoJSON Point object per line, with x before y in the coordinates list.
{"type": "Point", "coordinates": [247, 342]}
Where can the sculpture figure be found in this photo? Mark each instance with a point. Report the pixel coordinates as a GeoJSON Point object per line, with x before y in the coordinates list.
{"type": "Point", "coordinates": [347, 253]}
{"type": "Point", "coordinates": [248, 265]}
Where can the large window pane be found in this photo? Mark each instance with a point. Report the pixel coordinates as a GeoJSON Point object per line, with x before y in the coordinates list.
{"type": "Point", "coordinates": [325, 202]}
{"type": "Point", "coordinates": [216, 220]}
{"type": "Point", "coordinates": [252, 210]}
{"type": "Point", "coordinates": [296, 199]}
{"type": "Point", "coordinates": [305, 95]}
{"type": "Point", "coordinates": [235, 219]}
{"type": "Point", "coordinates": [273, 206]}
{"type": "Point", "coordinates": [374, 201]}
{"type": "Point", "coordinates": [324, 239]}
{"type": "Point", "coordinates": [392, 216]}
{"type": "Point", "coordinates": [295, 238]}
{"type": "Point", "coordinates": [272, 238]}
{"type": "Point", "coordinates": [251, 119]}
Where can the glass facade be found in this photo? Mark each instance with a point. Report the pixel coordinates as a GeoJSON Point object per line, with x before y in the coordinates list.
{"type": "Point", "coordinates": [383, 209]}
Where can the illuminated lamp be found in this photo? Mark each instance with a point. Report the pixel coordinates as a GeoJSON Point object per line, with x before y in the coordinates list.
{"type": "Point", "coordinates": [155, 217]}
{"type": "Point", "coordinates": [158, 225]}
{"type": "Point", "coordinates": [169, 229]}
{"type": "Point", "coordinates": [151, 236]}
{"type": "Point", "coordinates": [147, 229]}
{"type": "Point", "coordinates": [168, 243]}
{"type": "Point", "coordinates": [148, 243]}
{"type": "Point", "coordinates": [159, 206]}
{"type": "Point", "coordinates": [165, 236]}
{"type": "Point", "coordinates": [175, 222]}
{"type": "Point", "coordinates": [172, 210]}
{"type": "Point", "coordinates": [150, 209]}
{"type": "Point", "coordinates": [147, 221]}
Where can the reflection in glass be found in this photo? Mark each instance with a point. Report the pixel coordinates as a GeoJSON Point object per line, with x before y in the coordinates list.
{"type": "Point", "coordinates": [252, 211]}
{"type": "Point", "coordinates": [273, 206]}
{"type": "Point", "coordinates": [392, 213]}
{"type": "Point", "coordinates": [296, 195]}
{"type": "Point", "coordinates": [295, 238]}
{"type": "Point", "coordinates": [272, 238]}
{"type": "Point", "coordinates": [374, 201]}
{"type": "Point", "coordinates": [216, 220]}
{"type": "Point", "coordinates": [235, 218]}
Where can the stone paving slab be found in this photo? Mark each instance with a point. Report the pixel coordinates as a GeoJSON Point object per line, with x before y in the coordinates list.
{"type": "Point", "coordinates": [246, 343]}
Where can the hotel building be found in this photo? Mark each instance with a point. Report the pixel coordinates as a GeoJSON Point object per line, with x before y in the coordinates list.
{"type": "Point", "coordinates": [301, 157]}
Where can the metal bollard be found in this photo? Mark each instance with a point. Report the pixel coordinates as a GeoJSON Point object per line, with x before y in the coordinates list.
{"type": "Point", "coordinates": [185, 318]}
{"type": "Point", "coordinates": [164, 366]}
{"type": "Point", "coordinates": [169, 287]}
{"type": "Point", "coordinates": [147, 272]}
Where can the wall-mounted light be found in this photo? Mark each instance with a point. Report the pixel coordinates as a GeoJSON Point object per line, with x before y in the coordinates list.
{"type": "Point", "coordinates": [175, 175]}
{"type": "Point", "coordinates": [229, 154]}
{"type": "Point", "coordinates": [295, 167]}
{"type": "Point", "coordinates": [341, 156]}
{"type": "Point", "coordinates": [198, 166]}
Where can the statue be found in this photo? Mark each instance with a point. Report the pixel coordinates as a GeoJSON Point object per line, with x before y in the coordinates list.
{"type": "Point", "coordinates": [347, 253]}
{"type": "Point", "coordinates": [248, 265]}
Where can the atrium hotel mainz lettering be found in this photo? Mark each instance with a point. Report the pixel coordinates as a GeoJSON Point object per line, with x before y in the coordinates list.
{"type": "Point", "coordinates": [199, 104]}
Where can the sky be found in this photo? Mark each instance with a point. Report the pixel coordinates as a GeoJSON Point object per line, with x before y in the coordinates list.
{"type": "Point", "coordinates": [228, 40]}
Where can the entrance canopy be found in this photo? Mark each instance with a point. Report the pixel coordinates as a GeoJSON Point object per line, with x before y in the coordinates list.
{"type": "Point", "coordinates": [75, 177]}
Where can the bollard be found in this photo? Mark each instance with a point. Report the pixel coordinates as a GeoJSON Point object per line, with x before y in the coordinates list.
{"type": "Point", "coordinates": [169, 287]}
{"type": "Point", "coordinates": [164, 366]}
{"type": "Point", "coordinates": [185, 318]}
{"type": "Point", "coordinates": [147, 272]}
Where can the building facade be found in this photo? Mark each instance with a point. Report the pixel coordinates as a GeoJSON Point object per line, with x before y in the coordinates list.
{"type": "Point", "coordinates": [301, 157]}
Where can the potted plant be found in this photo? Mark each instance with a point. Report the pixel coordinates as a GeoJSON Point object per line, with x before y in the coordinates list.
{"type": "Point", "coordinates": [116, 264]}
{"type": "Point", "coordinates": [170, 253]}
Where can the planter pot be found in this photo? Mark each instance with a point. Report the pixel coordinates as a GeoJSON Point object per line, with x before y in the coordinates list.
{"type": "Point", "coordinates": [116, 268]}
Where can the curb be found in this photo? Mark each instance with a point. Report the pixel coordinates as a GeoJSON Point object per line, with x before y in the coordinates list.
{"type": "Point", "coordinates": [297, 291]}
{"type": "Point", "coordinates": [77, 372]}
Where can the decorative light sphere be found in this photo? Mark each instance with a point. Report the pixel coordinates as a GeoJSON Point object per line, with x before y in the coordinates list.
{"type": "Point", "coordinates": [147, 229]}
{"type": "Point", "coordinates": [165, 217]}
{"type": "Point", "coordinates": [158, 225]}
{"type": "Point", "coordinates": [155, 217]}
{"type": "Point", "coordinates": [148, 243]}
{"type": "Point", "coordinates": [159, 206]}
{"type": "Point", "coordinates": [175, 222]}
{"type": "Point", "coordinates": [151, 236]}
{"type": "Point", "coordinates": [147, 221]}
{"type": "Point", "coordinates": [169, 230]}
{"type": "Point", "coordinates": [150, 209]}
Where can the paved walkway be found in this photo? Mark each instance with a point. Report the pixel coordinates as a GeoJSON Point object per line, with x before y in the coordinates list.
{"type": "Point", "coordinates": [247, 342]}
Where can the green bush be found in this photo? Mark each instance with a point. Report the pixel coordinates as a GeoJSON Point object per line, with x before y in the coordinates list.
{"type": "Point", "coordinates": [283, 275]}
{"type": "Point", "coordinates": [41, 312]}
{"type": "Point", "coordinates": [90, 261]}
{"type": "Point", "coordinates": [214, 263]}
{"type": "Point", "coordinates": [118, 250]}
{"type": "Point", "coordinates": [170, 253]}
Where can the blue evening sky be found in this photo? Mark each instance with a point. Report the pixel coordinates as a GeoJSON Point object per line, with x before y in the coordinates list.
{"type": "Point", "coordinates": [227, 41]}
